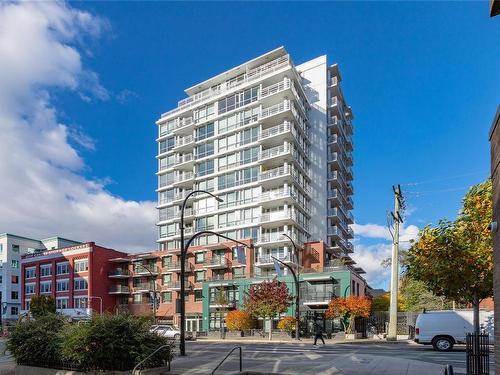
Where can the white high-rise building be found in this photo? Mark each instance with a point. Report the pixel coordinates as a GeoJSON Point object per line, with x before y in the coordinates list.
{"type": "Point", "coordinates": [273, 140]}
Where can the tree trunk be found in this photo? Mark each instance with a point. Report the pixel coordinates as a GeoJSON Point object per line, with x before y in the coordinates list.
{"type": "Point", "coordinates": [270, 329]}
{"type": "Point", "coordinates": [475, 306]}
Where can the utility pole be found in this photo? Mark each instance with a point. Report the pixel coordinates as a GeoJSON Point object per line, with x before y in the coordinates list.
{"type": "Point", "coordinates": [396, 217]}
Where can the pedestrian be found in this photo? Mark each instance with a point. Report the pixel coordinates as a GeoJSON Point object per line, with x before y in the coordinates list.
{"type": "Point", "coordinates": [318, 333]}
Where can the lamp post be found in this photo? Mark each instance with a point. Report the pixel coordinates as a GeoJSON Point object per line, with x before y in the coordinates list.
{"type": "Point", "coordinates": [297, 313]}
{"type": "Point", "coordinates": [154, 291]}
{"type": "Point", "coordinates": [296, 277]}
{"type": "Point", "coordinates": [182, 345]}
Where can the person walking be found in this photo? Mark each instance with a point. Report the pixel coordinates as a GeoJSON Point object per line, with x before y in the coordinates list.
{"type": "Point", "coordinates": [318, 333]}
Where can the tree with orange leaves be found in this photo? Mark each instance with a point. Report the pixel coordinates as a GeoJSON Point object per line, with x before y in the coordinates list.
{"type": "Point", "coordinates": [238, 320]}
{"type": "Point", "coordinates": [348, 309]}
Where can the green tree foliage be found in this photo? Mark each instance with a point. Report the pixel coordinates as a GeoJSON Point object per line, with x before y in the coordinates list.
{"type": "Point", "coordinates": [267, 300]}
{"type": "Point", "coordinates": [415, 296]}
{"type": "Point", "coordinates": [381, 302]}
{"type": "Point", "coordinates": [42, 305]}
{"type": "Point", "coordinates": [455, 259]}
{"type": "Point", "coordinates": [112, 342]}
{"type": "Point", "coordinates": [37, 341]}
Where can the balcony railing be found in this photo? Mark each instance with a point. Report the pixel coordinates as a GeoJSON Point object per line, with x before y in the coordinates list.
{"type": "Point", "coordinates": [275, 88]}
{"type": "Point", "coordinates": [266, 259]}
{"type": "Point", "coordinates": [143, 269]}
{"type": "Point", "coordinates": [275, 151]}
{"type": "Point", "coordinates": [119, 289]}
{"type": "Point", "coordinates": [119, 272]}
{"type": "Point", "coordinates": [275, 109]}
{"type": "Point", "coordinates": [182, 141]}
{"type": "Point", "coordinates": [217, 278]}
{"type": "Point", "coordinates": [310, 296]}
{"type": "Point", "coordinates": [216, 261]}
{"type": "Point", "coordinates": [252, 75]}
{"type": "Point", "coordinates": [278, 237]}
{"type": "Point", "coordinates": [144, 287]}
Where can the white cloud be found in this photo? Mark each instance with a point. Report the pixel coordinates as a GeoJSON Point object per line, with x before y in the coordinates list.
{"type": "Point", "coordinates": [370, 257]}
{"type": "Point", "coordinates": [42, 190]}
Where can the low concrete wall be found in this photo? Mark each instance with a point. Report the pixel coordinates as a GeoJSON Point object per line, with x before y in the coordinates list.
{"type": "Point", "coordinates": [29, 370]}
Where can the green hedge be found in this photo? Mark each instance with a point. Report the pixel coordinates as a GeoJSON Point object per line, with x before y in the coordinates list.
{"type": "Point", "coordinates": [106, 342]}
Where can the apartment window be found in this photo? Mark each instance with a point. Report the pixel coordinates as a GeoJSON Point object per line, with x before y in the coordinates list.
{"type": "Point", "coordinates": [205, 167]}
{"type": "Point", "coordinates": [249, 155]}
{"type": "Point", "coordinates": [204, 112]}
{"type": "Point", "coordinates": [30, 273]}
{"type": "Point", "coordinates": [14, 295]}
{"type": "Point", "coordinates": [199, 258]}
{"type": "Point", "coordinates": [137, 299]}
{"type": "Point", "coordinates": [62, 285]}
{"type": "Point", "coordinates": [1, 279]}
{"type": "Point", "coordinates": [46, 287]}
{"type": "Point", "coordinates": [166, 261]}
{"type": "Point", "coordinates": [205, 223]}
{"type": "Point", "coordinates": [238, 178]}
{"type": "Point", "coordinates": [80, 284]}
{"type": "Point", "coordinates": [29, 288]}
{"type": "Point", "coordinates": [15, 248]}
{"type": "Point", "coordinates": [62, 268]}
{"type": "Point", "coordinates": [238, 119]}
{"type": "Point", "coordinates": [205, 131]}
{"type": "Point", "coordinates": [14, 280]}
{"type": "Point", "coordinates": [167, 127]}
{"type": "Point", "coordinates": [15, 263]}
{"type": "Point", "coordinates": [166, 297]}
{"type": "Point", "coordinates": [166, 145]}
{"type": "Point", "coordinates": [199, 276]}
{"type": "Point", "coordinates": [207, 185]}
{"type": "Point", "coordinates": [166, 279]}
{"type": "Point", "coordinates": [27, 304]}
{"type": "Point", "coordinates": [205, 149]}
{"type": "Point", "coordinates": [81, 265]}
{"type": "Point", "coordinates": [45, 270]}
{"type": "Point", "coordinates": [80, 302]}
{"type": "Point", "coordinates": [198, 295]}
{"type": "Point", "coordinates": [227, 219]}
{"type": "Point", "coordinates": [237, 100]}
{"type": "Point", "coordinates": [249, 135]}
{"type": "Point", "coordinates": [14, 310]}
{"type": "Point", "coordinates": [62, 303]}
{"type": "Point", "coordinates": [1, 248]}
{"type": "Point", "coordinates": [238, 272]}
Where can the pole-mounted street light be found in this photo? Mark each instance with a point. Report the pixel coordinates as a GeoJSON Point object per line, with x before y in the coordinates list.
{"type": "Point", "coordinates": [154, 290]}
{"type": "Point", "coordinates": [184, 248]}
{"type": "Point", "coordinates": [296, 277]}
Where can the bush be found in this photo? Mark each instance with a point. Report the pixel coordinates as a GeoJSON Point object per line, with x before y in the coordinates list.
{"type": "Point", "coordinates": [37, 342]}
{"type": "Point", "coordinates": [42, 305]}
{"type": "Point", "coordinates": [238, 320]}
{"type": "Point", "coordinates": [112, 342]}
{"type": "Point", "coordinates": [287, 324]}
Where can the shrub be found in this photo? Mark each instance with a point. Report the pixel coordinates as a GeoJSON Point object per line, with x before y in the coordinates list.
{"type": "Point", "coordinates": [42, 305]}
{"type": "Point", "coordinates": [37, 342]}
{"type": "Point", "coordinates": [112, 342]}
{"type": "Point", "coordinates": [238, 320]}
{"type": "Point", "coordinates": [287, 324]}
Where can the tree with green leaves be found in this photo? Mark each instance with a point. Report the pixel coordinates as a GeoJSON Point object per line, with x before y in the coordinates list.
{"type": "Point", "coordinates": [42, 305]}
{"type": "Point", "coordinates": [455, 258]}
{"type": "Point", "coordinates": [267, 300]}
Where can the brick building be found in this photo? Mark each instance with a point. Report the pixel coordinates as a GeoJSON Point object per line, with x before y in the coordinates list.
{"type": "Point", "coordinates": [76, 277]}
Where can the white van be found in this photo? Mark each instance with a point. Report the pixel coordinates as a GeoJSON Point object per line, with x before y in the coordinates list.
{"type": "Point", "coordinates": [443, 329]}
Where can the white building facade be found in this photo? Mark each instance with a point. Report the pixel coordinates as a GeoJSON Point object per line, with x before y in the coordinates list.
{"type": "Point", "coordinates": [273, 140]}
{"type": "Point", "coordinates": [12, 247]}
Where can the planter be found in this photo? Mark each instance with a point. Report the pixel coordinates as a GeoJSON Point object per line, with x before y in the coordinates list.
{"type": "Point", "coordinates": [353, 336]}
{"type": "Point", "coordinates": [31, 370]}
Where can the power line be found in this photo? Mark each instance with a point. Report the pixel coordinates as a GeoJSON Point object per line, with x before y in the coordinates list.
{"type": "Point", "coordinates": [417, 194]}
{"type": "Point", "coordinates": [445, 178]}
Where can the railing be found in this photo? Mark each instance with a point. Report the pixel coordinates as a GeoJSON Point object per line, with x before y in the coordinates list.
{"type": "Point", "coordinates": [177, 265]}
{"type": "Point", "coordinates": [216, 261]}
{"type": "Point", "coordinates": [275, 109]}
{"type": "Point", "coordinates": [266, 259]}
{"type": "Point", "coordinates": [316, 296]}
{"type": "Point", "coordinates": [276, 172]}
{"type": "Point", "coordinates": [252, 75]}
{"type": "Point", "coordinates": [119, 289]}
{"type": "Point", "coordinates": [217, 278]}
{"type": "Point", "coordinates": [142, 269]}
{"type": "Point", "coordinates": [228, 354]}
{"type": "Point", "coordinates": [143, 286]}
{"type": "Point", "coordinates": [184, 141]}
{"type": "Point", "coordinates": [183, 177]}
{"type": "Point", "coordinates": [119, 272]}
{"type": "Point", "coordinates": [169, 358]}
{"type": "Point", "coordinates": [275, 88]}
{"type": "Point", "coordinates": [274, 152]}
{"type": "Point", "coordinates": [275, 237]}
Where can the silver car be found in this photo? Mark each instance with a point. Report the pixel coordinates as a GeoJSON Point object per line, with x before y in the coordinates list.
{"type": "Point", "coordinates": [166, 331]}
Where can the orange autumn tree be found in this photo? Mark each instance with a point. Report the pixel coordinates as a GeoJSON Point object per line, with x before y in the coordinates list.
{"type": "Point", "coordinates": [238, 320]}
{"type": "Point", "coordinates": [348, 309]}
{"type": "Point", "coordinates": [287, 324]}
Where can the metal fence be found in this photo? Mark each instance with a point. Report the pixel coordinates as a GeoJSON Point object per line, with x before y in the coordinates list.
{"type": "Point", "coordinates": [478, 354]}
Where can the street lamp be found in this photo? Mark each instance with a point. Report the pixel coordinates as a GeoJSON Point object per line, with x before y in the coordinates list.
{"type": "Point", "coordinates": [296, 277]}
{"type": "Point", "coordinates": [154, 291]}
{"type": "Point", "coordinates": [182, 345]}
{"type": "Point", "coordinates": [100, 302]}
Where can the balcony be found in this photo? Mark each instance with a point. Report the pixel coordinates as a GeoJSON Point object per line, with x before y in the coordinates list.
{"type": "Point", "coordinates": [176, 266]}
{"type": "Point", "coordinates": [275, 88]}
{"type": "Point", "coordinates": [119, 273]}
{"type": "Point", "coordinates": [268, 238]}
{"type": "Point", "coordinates": [252, 75]}
{"type": "Point", "coordinates": [144, 287]}
{"type": "Point", "coordinates": [183, 178]}
{"type": "Point", "coordinates": [266, 260]}
{"type": "Point", "coordinates": [217, 278]}
{"type": "Point", "coordinates": [140, 270]}
{"type": "Point", "coordinates": [119, 289]}
{"type": "Point", "coordinates": [275, 152]}
{"type": "Point", "coordinates": [183, 125]}
{"type": "Point", "coordinates": [216, 263]}
{"type": "Point", "coordinates": [184, 142]}
{"type": "Point", "coordinates": [316, 298]}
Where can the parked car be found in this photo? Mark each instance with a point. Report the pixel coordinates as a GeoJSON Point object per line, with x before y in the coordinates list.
{"type": "Point", "coordinates": [443, 329]}
{"type": "Point", "coordinates": [170, 332]}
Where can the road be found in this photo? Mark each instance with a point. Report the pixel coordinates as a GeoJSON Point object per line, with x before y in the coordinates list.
{"type": "Point", "coordinates": [340, 358]}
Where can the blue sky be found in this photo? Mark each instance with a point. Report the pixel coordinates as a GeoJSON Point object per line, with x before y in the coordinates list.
{"type": "Point", "coordinates": [422, 78]}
